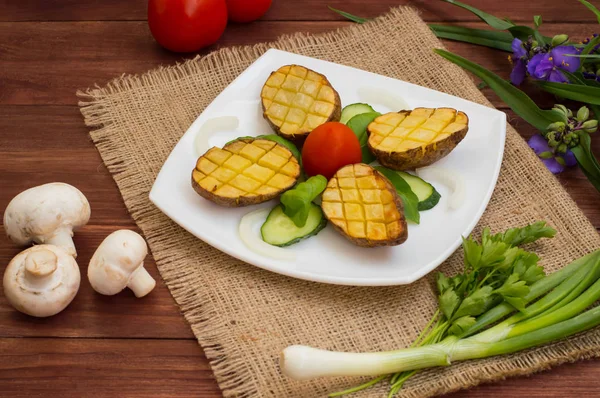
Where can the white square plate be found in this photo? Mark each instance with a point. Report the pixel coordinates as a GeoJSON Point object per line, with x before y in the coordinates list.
{"type": "Point", "coordinates": [329, 257]}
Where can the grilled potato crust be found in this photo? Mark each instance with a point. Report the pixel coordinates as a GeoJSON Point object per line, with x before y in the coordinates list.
{"type": "Point", "coordinates": [412, 139]}
{"type": "Point", "coordinates": [364, 207]}
{"type": "Point", "coordinates": [295, 100]}
{"type": "Point", "coordinates": [245, 172]}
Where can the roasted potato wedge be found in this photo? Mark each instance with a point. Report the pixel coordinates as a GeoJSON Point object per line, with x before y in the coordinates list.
{"type": "Point", "coordinates": [295, 100]}
{"type": "Point", "coordinates": [411, 139]}
{"type": "Point", "coordinates": [364, 207]}
{"type": "Point", "coordinates": [245, 172]}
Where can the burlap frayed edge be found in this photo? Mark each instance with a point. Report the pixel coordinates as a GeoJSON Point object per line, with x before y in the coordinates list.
{"type": "Point", "coordinates": [95, 107]}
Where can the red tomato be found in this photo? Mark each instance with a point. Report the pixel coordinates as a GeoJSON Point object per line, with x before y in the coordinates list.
{"type": "Point", "coordinates": [247, 10]}
{"type": "Point", "coordinates": [187, 25]}
{"type": "Point", "coordinates": [328, 148]}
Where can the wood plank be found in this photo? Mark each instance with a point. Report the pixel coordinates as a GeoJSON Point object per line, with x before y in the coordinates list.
{"type": "Point", "coordinates": [142, 368]}
{"type": "Point", "coordinates": [72, 57]}
{"type": "Point", "coordinates": [82, 168]}
{"type": "Point", "coordinates": [93, 315]}
{"type": "Point", "coordinates": [104, 368]}
{"type": "Point", "coordinates": [291, 10]}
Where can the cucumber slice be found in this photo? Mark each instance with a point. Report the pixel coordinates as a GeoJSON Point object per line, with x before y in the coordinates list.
{"type": "Point", "coordinates": [280, 230]}
{"type": "Point", "coordinates": [428, 196]}
{"type": "Point", "coordinates": [352, 110]}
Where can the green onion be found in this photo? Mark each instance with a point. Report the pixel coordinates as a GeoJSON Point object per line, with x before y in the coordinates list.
{"type": "Point", "coordinates": [497, 276]}
{"type": "Point", "coordinates": [302, 362]}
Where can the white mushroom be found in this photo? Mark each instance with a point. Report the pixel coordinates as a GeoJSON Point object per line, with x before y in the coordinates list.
{"type": "Point", "coordinates": [41, 281]}
{"type": "Point", "coordinates": [119, 263]}
{"type": "Point", "coordinates": [47, 214]}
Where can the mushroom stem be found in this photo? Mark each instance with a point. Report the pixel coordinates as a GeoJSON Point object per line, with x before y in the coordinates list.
{"type": "Point", "coordinates": [64, 239]}
{"type": "Point", "coordinates": [141, 282]}
{"type": "Point", "coordinates": [39, 267]}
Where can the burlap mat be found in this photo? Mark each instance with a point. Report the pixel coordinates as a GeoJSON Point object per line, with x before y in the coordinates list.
{"type": "Point", "coordinates": [243, 316]}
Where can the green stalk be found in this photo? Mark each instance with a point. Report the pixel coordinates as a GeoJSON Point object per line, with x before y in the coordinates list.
{"type": "Point", "coordinates": [301, 362]}
{"type": "Point", "coordinates": [500, 331]}
{"type": "Point", "coordinates": [585, 283]}
{"type": "Point", "coordinates": [568, 311]}
{"type": "Point", "coordinates": [538, 289]}
{"type": "Point", "coordinates": [559, 331]}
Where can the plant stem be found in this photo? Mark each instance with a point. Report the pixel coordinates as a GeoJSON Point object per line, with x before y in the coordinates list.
{"type": "Point", "coordinates": [539, 288]}
{"type": "Point", "coordinates": [358, 388]}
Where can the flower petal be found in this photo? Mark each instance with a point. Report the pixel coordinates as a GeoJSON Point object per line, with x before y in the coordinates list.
{"type": "Point", "coordinates": [540, 66]}
{"type": "Point", "coordinates": [569, 158]}
{"type": "Point", "coordinates": [518, 73]}
{"type": "Point", "coordinates": [561, 59]}
{"type": "Point", "coordinates": [534, 62]}
{"type": "Point", "coordinates": [557, 76]}
{"type": "Point", "coordinates": [552, 165]}
{"type": "Point", "coordinates": [518, 49]}
{"type": "Point", "coordinates": [539, 144]}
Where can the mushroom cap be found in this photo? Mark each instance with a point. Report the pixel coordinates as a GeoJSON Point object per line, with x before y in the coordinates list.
{"type": "Point", "coordinates": [39, 213]}
{"type": "Point", "coordinates": [41, 281]}
{"type": "Point", "coordinates": [116, 259]}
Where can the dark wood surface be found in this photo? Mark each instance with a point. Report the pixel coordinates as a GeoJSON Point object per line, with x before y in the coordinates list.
{"type": "Point", "coordinates": [122, 346]}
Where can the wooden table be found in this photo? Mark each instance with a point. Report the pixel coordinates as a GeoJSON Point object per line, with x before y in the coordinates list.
{"type": "Point", "coordinates": [122, 346]}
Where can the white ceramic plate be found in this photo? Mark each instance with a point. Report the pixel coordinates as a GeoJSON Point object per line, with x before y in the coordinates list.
{"type": "Point", "coordinates": [329, 257]}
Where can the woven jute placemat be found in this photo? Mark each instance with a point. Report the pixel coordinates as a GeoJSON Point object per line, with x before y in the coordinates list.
{"type": "Point", "coordinates": [244, 316]}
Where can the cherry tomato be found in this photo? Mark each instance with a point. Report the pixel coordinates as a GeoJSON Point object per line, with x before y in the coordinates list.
{"type": "Point", "coordinates": [187, 25]}
{"type": "Point", "coordinates": [328, 148]}
{"type": "Point", "coordinates": [247, 10]}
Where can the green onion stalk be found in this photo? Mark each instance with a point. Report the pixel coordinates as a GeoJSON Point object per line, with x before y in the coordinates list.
{"type": "Point", "coordinates": [557, 310]}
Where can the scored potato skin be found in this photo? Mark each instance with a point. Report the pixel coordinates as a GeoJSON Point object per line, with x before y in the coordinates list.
{"type": "Point", "coordinates": [242, 200]}
{"type": "Point", "coordinates": [418, 157]}
{"type": "Point", "coordinates": [298, 139]}
{"type": "Point", "coordinates": [233, 202]}
{"type": "Point", "coordinates": [365, 242]}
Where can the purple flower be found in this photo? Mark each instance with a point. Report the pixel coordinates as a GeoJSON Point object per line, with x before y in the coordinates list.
{"type": "Point", "coordinates": [550, 66]}
{"type": "Point", "coordinates": [519, 59]}
{"type": "Point", "coordinates": [555, 163]}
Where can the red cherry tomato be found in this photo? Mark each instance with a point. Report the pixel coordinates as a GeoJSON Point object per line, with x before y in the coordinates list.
{"type": "Point", "coordinates": [187, 25]}
{"type": "Point", "coordinates": [247, 10]}
{"type": "Point", "coordinates": [328, 148]}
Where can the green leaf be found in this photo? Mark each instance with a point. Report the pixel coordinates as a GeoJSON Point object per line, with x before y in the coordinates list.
{"type": "Point", "coordinates": [442, 283]}
{"type": "Point", "coordinates": [523, 32]}
{"type": "Point", "coordinates": [587, 161]}
{"type": "Point", "coordinates": [475, 303]}
{"type": "Point", "coordinates": [590, 46]}
{"type": "Point", "coordinates": [472, 253]}
{"type": "Point", "coordinates": [296, 202]}
{"type": "Point", "coordinates": [448, 302]}
{"type": "Point", "coordinates": [592, 8]}
{"type": "Point", "coordinates": [575, 92]}
{"type": "Point", "coordinates": [358, 124]}
{"type": "Point", "coordinates": [491, 20]}
{"type": "Point", "coordinates": [513, 291]}
{"type": "Point", "coordinates": [493, 253]}
{"type": "Point", "coordinates": [461, 325]}
{"type": "Point", "coordinates": [515, 98]}
{"type": "Point", "coordinates": [537, 20]}
{"type": "Point", "coordinates": [409, 199]}
{"type": "Point", "coordinates": [488, 38]}
{"type": "Point", "coordinates": [349, 16]}
{"type": "Point", "coordinates": [583, 55]}
{"type": "Point", "coordinates": [525, 235]}
{"type": "Point", "coordinates": [578, 78]}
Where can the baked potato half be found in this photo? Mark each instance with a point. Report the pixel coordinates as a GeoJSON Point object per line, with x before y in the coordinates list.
{"type": "Point", "coordinates": [296, 99]}
{"type": "Point", "coordinates": [245, 172]}
{"type": "Point", "coordinates": [411, 139]}
{"type": "Point", "coordinates": [364, 207]}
